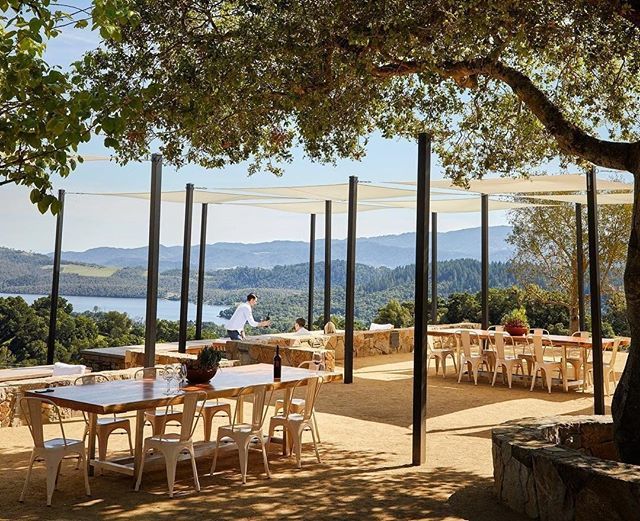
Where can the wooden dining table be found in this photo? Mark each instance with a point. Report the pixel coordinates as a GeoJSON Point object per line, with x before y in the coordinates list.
{"type": "Point", "coordinates": [566, 342]}
{"type": "Point", "coordinates": [121, 396]}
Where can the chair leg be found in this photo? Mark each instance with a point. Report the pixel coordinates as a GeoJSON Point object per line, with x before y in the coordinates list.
{"type": "Point", "coordinates": [437, 359]}
{"type": "Point", "coordinates": [139, 480]}
{"type": "Point", "coordinates": [215, 454]}
{"type": "Point", "coordinates": [296, 438]}
{"type": "Point", "coordinates": [460, 372]}
{"type": "Point", "coordinates": [444, 366]}
{"type": "Point", "coordinates": [533, 377]}
{"type": "Point", "coordinates": [509, 375]}
{"type": "Point", "coordinates": [128, 429]}
{"type": "Point", "coordinates": [85, 471]}
{"type": "Point", "coordinates": [607, 377]}
{"type": "Point", "coordinates": [194, 468]}
{"type": "Point", "coordinates": [52, 471]}
{"type": "Point", "coordinates": [475, 368]}
{"type": "Point", "coordinates": [208, 421]}
{"type": "Point", "coordinates": [243, 456]}
{"type": "Point", "coordinates": [171, 461]}
{"type": "Point", "coordinates": [315, 445]}
{"type": "Point", "coordinates": [495, 375]}
{"type": "Point", "coordinates": [264, 457]}
{"type": "Point", "coordinates": [28, 479]}
{"type": "Point", "coordinates": [315, 424]}
{"type": "Point", "coordinates": [548, 377]}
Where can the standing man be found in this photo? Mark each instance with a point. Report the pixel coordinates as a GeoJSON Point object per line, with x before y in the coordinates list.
{"type": "Point", "coordinates": [242, 315]}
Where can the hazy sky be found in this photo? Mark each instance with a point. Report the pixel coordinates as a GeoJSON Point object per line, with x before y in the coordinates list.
{"type": "Point", "coordinates": [92, 221]}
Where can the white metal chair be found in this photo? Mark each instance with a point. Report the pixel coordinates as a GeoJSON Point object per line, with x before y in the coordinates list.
{"type": "Point", "coordinates": [171, 445]}
{"type": "Point", "coordinates": [471, 360]}
{"type": "Point", "coordinates": [608, 368]}
{"type": "Point", "coordinates": [52, 451]}
{"type": "Point", "coordinates": [503, 361]}
{"type": "Point", "coordinates": [105, 425]}
{"type": "Point", "coordinates": [541, 365]}
{"type": "Point", "coordinates": [158, 418]}
{"type": "Point", "coordinates": [243, 434]}
{"type": "Point", "coordinates": [213, 409]}
{"type": "Point", "coordinates": [574, 356]}
{"type": "Point", "coordinates": [297, 404]}
{"type": "Point", "coordinates": [295, 423]}
{"type": "Point", "coordinates": [440, 356]}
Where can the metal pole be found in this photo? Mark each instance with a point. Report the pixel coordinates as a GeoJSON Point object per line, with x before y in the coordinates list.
{"type": "Point", "coordinates": [580, 267]}
{"type": "Point", "coordinates": [186, 261]}
{"type": "Point", "coordinates": [349, 312]}
{"type": "Point", "coordinates": [153, 261]}
{"type": "Point", "coordinates": [55, 283]}
{"type": "Point", "coordinates": [419, 447]}
{"type": "Point", "coordinates": [484, 198]}
{"type": "Point", "coordinates": [327, 261]}
{"type": "Point", "coordinates": [434, 268]}
{"type": "Point", "coordinates": [312, 266]}
{"type": "Point", "coordinates": [201, 270]}
{"type": "Point", "coordinates": [594, 282]}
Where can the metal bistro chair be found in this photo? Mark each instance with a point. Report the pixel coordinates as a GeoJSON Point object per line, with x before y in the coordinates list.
{"type": "Point", "coordinates": [105, 425]}
{"type": "Point", "coordinates": [158, 418]}
{"type": "Point", "coordinates": [575, 357]}
{"type": "Point", "coordinates": [609, 368]}
{"type": "Point", "coordinates": [243, 433]}
{"type": "Point", "coordinates": [542, 365]}
{"type": "Point", "coordinates": [471, 360]}
{"type": "Point", "coordinates": [296, 423]}
{"type": "Point", "coordinates": [503, 361]}
{"type": "Point", "coordinates": [171, 445]}
{"type": "Point", "coordinates": [440, 356]}
{"type": "Point", "coordinates": [52, 451]}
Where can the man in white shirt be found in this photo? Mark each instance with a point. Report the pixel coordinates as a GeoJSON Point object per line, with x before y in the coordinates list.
{"type": "Point", "coordinates": [299, 327]}
{"type": "Point", "coordinates": [242, 315]}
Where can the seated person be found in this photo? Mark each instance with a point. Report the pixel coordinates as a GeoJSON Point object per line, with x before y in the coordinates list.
{"type": "Point", "coordinates": [299, 328]}
{"type": "Point", "coordinates": [329, 328]}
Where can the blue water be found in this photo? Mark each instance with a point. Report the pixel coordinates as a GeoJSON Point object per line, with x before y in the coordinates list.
{"type": "Point", "coordinates": [135, 307]}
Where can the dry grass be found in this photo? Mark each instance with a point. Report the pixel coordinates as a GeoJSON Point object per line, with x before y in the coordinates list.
{"type": "Point", "coordinates": [364, 474]}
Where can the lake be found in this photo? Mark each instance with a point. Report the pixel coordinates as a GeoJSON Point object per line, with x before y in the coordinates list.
{"type": "Point", "coordinates": [135, 307]}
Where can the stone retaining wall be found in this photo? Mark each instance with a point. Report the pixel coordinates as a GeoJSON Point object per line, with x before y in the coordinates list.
{"type": "Point", "coordinates": [564, 468]}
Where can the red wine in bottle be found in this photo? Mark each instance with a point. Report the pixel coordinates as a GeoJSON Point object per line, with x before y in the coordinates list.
{"type": "Point", "coordinates": [277, 365]}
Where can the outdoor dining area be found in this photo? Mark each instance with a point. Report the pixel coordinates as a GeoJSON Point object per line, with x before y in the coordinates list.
{"type": "Point", "coordinates": [163, 397]}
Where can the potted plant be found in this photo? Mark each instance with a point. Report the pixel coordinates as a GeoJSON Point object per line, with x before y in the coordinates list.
{"type": "Point", "coordinates": [204, 368]}
{"type": "Point", "coordinates": [515, 322]}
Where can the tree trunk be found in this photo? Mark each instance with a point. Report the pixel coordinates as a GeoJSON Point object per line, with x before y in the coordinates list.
{"type": "Point", "coordinates": [626, 401]}
{"type": "Point", "coordinates": [574, 320]}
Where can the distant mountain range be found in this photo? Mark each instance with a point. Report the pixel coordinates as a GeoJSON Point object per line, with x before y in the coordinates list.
{"type": "Point", "coordinates": [386, 250]}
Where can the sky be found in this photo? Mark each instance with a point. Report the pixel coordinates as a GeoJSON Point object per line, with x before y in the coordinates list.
{"type": "Point", "coordinates": [91, 221]}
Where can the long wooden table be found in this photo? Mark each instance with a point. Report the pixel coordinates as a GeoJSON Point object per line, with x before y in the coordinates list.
{"type": "Point", "coordinates": [121, 396]}
{"type": "Point", "coordinates": [564, 341]}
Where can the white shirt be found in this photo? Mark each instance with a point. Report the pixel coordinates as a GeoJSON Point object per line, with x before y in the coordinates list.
{"type": "Point", "coordinates": [240, 317]}
{"type": "Point", "coordinates": [302, 331]}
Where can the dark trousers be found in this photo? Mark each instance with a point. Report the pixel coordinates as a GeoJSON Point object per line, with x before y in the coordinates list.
{"type": "Point", "coordinates": [233, 335]}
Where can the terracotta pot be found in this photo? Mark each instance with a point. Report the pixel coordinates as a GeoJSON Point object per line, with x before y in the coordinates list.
{"type": "Point", "coordinates": [516, 330]}
{"type": "Point", "coordinates": [195, 375]}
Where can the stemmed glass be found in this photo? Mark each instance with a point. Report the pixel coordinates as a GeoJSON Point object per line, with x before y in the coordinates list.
{"type": "Point", "coordinates": [168, 375]}
{"type": "Point", "coordinates": [318, 360]}
{"type": "Point", "coordinates": [181, 375]}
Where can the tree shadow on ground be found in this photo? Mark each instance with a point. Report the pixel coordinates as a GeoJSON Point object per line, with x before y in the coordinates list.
{"type": "Point", "coordinates": [347, 485]}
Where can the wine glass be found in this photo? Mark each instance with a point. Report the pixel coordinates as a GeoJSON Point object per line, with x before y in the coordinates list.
{"type": "Point", "coordinates": [181, 375]}
{"type": "Point", "coordinates": [318, 360]}
{"type": "Point", "coordinates": [168, 375]}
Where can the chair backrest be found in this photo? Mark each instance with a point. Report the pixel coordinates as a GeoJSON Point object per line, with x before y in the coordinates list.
{"type": "Point", "coordinates": [32, 410]}
{"type": "Point", "coordinates": [538, 331]}
{"type": "Point", "coordinates": [498, 342]}
{"type": "Point", "coordinates": [495, 328]}
{"type": "Point", "coordinates": [614, 350]}
{"type": "Point", "coordinates": [538, 348]}
{"type": "Point", "coordinates": [582, 334]}
{"type": "Point", "coordinates": [313, 386]}
{"type": "Point", "coordinates": [90, 379]}
{"type": "Point", "coordinates": [466, 339]}
{"type": "Point", "coordinates": [149, 373]}
{"type": "Point", "coordinates": [260, 404]}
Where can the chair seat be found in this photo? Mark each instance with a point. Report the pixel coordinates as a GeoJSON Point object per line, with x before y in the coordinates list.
{"type": "Point", "coordinates": [509, 359]}
{"type": "Point", "coordinates": [112, 421]}
{"type": "Point", "coordinates": [159, 413]}
{"type": "Point", "coordinates": [172, 437]}
{"type": "Point", "coordinates": [58, 443]}
{"type": "Point", "coordinates": [238, 427]}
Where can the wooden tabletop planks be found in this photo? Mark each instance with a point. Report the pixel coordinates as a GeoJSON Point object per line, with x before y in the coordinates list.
{"type": "Point", "coordinates": [130, 395]}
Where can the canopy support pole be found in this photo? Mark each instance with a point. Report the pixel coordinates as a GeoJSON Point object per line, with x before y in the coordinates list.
{"type": "Point", "coordinates": [434, 267]}
{"type": "Point", "coordinates": [351, 280]}
{"type": "Point", "coordinates": [153, 261]}
{"type": "Point", "coordinates": [580, 267]}
{"type": "Point", "coordinates": [484, 209]}
{"type": "Point", "coordinates": [327, 261]}
{"type": "Point", "coordinates": [312, 267]}
{"type": "Point", "coordinates": [594, 282]}
{"type": "Point", "coordinates": [55, 283]}
{"type": "Point", "coordinates": [201, 270]}
{"type": "Point", "coordinates": [186, 261]}
{"type": "Point", "coordinates": [419, 448]}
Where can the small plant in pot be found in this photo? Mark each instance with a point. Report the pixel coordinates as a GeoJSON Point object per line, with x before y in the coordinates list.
{"type": "Point", "coordinates": [515, 322]}
{"type": "Point", "coordinates": [204, 368]}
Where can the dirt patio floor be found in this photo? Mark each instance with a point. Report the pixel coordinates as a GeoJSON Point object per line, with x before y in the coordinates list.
{"type": "Point", "coordinates": [364, 474]}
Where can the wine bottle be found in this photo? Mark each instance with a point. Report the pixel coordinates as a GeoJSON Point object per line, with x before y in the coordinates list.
{"type": "Point", "coordinates": [277, 365]}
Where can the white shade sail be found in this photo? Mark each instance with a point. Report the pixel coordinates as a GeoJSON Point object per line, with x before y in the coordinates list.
{"type": "Point", "coordinates": [309, 207]}
{"type": "Point", "coordinates": [460, 205]}
{"type": "Point", "coordinates": [178, 196]}
{"type": "Point", "coordinates": [624, 198]}
{"type": "Point", "coordinates": [534, 184]}
{"type": "Point", "coordinates": [333, 192]}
